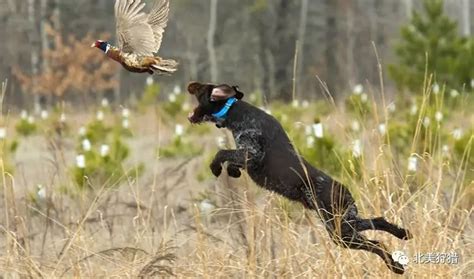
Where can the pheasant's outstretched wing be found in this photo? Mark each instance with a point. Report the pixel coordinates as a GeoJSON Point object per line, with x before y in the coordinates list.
{"type": "Point", "coordinates": [138, 32]}
{"type": "Point", "coordinates": [158, 19]}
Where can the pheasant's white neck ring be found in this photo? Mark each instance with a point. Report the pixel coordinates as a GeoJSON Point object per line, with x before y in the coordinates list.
{"type": "Point", "coordinates": [107, 48]}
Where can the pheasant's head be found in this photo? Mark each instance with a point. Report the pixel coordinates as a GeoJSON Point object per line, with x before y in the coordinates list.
{"type": "Point", "coordinates": [102, 45]}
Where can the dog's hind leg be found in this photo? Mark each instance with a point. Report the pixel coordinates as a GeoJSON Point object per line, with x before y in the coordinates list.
{"type": "Point", "coordinates": [345, 228]}
{"type": "Point", "coordinates": [360, 242]}
{"type": "Point", "coordinates": [382, 225]}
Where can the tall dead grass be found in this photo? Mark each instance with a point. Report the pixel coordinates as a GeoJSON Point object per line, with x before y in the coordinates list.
{"type": "Point", "coordinates": [155, 226]}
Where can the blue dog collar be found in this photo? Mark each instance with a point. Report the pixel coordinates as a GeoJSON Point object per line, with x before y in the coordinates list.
{"type": "Point", "coordinates": [223, 112]}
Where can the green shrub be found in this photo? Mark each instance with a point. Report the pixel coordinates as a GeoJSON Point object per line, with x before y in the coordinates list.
{"type": "Point", "coordinates": [358, 102]}
{"type": "Point", "coordinates": [464, 148]}
{"type": "Point", "coordinates": [7, 151]}
{"type": "Point", "coordinates": [101, 156]}
{"type": "Point", "coordinates": [26, 126]}
{"type": "Point", "coordinates": [174, 106]}
{"type": "Point", "coordinates": [57, 124]}
{"type": "Point", "coordinates": [179, 147]}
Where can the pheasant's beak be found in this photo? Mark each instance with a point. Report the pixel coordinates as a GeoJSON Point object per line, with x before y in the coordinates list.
{"type": "Point", "coordinates": [93, 45]}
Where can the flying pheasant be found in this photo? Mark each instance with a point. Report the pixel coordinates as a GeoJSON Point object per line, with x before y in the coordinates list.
{"type": "Point", "coordinates": [139, 36]}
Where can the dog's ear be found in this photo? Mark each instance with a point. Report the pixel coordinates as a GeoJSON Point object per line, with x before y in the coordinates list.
{"type": "Point", "coordinates": [238, 94]}
{"type": "Point", "coordinates": [221, 93]}
{"type": "Point", "coordinates": [193, 87]}
{"type": "Point", "coordinates": [224, 92]}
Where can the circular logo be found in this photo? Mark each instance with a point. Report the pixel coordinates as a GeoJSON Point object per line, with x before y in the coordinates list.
{"type": "Point", "coordinates": [400, 257]}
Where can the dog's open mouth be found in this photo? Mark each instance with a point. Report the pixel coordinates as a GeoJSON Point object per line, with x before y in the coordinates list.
{"type": "Point", "coordinates": [194, 118]}
{"type": "Point", "coordinates": [197, 117]}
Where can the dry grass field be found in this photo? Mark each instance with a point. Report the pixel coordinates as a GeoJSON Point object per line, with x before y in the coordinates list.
{"type": "Point", "coordinates": [167, 222]}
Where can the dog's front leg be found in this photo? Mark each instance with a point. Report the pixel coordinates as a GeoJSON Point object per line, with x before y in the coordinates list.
{"type": "Point", "coordinates": [235, 158]}
{"type": "Point", "coordinates": [249, 154]}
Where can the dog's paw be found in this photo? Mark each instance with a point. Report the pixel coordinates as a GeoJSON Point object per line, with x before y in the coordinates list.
{"type": "Point", "coordinates": [216, 168]}
{"type": "Point", "coordinates": [396, 267]}
{"type": "Point", "coordinates": [233, 171]}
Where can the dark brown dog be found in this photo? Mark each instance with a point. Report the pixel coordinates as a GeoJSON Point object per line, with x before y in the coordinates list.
{"type": "Point", "coordinates": [266, 153]}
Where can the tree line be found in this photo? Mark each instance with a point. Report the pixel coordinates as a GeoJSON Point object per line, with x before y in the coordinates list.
{"type": "Point", "coordinates": [281, 48]}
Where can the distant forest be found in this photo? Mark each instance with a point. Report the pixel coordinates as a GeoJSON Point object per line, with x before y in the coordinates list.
{"type": "Point", "coordinates": [252, 43]}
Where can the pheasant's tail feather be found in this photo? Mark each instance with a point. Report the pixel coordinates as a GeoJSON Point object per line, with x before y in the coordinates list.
{"type": "Point", "coordinates": [165, 66]}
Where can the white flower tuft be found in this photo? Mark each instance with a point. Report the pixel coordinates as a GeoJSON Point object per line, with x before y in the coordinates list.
{"type": "Point", "coordinates": [104, 150]}
{"type": "Point", "coordinates": [318, 130]}
{"type": "Point", "coordinates": [41, 193]}
{"type": "Point", "coordinates": [445, 150]}
{"type": "Point", "coordinates": [172, 98]}
{"type": "Point", "coordinates": [86, 145]}
{"type": "Point", "coordinates": [62, 117]}
{"type": "Point", "coordinates": [454, 93]}
{"type": "Point", "coordinates": [3, 133]}
{"type": "Point", "coordinates": [472, 83]}
{"type": "Point", "coordinates": [44, 114]}
{"type": "Point", "coordinates": [435, 88]}
{"type": "Point", "coordinates": [382, 128]}
{"type": "Point", "coordinates": [356, 148]}
{"type": "Point", "coordinates": [355, 126]}
{"type": "Point", "coordinates": [125, 112]}
{"type": "Point", "coordinates": [439, 116]}
{"type": "Point", "coordinates": [457, 133]}
{"type": "Point", "coordinates": [413, 109]}
{"type": "Point", "coordinates": [358, 89]}
{"type": "Point", "coordinates": [104, 102]}
{"type": "Point", "coordinates": [24, 114]}
{"type": "Point", "coordinates": [179, 130]}
{"type": "Point", "coordinates": [82, 131]}
{"type": "Point", "coordinates": [100, 115]}
{"type": "Point", "coordinates": [295, 103]}
{"type": "Point", "coordinates": [426, 122]}
{"type": "Point", "coordinates": [177, 89]}
{"type": "Point", "coordinates": [149, 81]}
{"type": "Point", "coordinates": [31, 119]}
{"type": "Point", "coordinates": [125, 123]}
{"type": "Point", "coordinates": [81, 161]}
{"type": "Point", "coordinates": [206, 207]}
{"type": "Point", "coordinates": [412, 163]}
{"type": "Point", "coordinates": [392, 107]}
{"type": "Point", "coordinates": [305, 104]}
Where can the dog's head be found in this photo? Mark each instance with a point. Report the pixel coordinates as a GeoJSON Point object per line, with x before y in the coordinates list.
{"type": "Point", "coordinates": [211, 98]}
